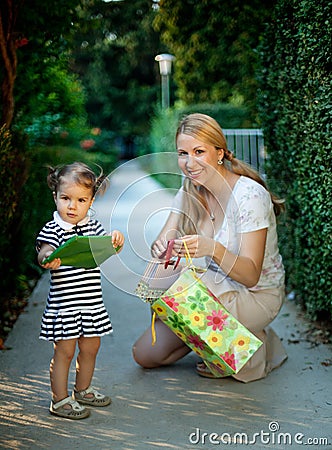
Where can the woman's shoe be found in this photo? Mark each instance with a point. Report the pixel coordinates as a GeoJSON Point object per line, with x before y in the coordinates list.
{"type": "Point", "coordinates": [204, 371]}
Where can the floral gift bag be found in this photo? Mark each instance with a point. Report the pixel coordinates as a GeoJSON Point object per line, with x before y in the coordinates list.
{"type": "Point", "coordinates": [197, 317]}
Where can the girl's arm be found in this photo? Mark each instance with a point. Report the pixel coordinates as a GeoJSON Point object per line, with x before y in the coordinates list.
{"type": "Point", "coordinates": [244, 267]}
{"type": "Point", "coordinates": [45, 251]}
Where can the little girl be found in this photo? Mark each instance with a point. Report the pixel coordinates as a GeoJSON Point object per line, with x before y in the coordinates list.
{"type": "Point", "coordinates": [75, 312]}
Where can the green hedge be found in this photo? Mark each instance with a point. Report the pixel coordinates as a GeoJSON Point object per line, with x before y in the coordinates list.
{"type": "Point", "coordinates": [296, 113]}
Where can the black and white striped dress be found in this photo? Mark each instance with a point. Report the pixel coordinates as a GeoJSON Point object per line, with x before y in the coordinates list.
{"type": "Point", "coordinates": [75, 305]}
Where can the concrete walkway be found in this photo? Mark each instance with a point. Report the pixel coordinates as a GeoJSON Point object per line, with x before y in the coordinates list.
{"type": "Point", "coordinates": [171, 407]}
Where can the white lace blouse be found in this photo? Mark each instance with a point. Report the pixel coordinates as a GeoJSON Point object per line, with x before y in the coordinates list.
{"type": "Point", "coordinates": [249, 209]}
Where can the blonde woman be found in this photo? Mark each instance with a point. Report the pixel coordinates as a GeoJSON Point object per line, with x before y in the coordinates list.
{"type": "Point", "coordinates": [225, 214]}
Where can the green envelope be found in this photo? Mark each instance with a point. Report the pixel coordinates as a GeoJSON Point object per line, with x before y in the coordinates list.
{"type": "Point", "coordinates": [84, 251]}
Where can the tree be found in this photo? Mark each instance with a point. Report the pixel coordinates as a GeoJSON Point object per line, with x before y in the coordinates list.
{"type": "Point", "coordinates": [214, 42]}
{"type": "Point", "coordinates": [40, 26]}
{"type": "Point", "coordinates": [8, 46]}
{"type": "Point", "coordinates": [113, 54]}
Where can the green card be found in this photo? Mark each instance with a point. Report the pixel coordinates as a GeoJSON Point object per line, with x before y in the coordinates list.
{"type": "Point", "coordinates": [84, 251]}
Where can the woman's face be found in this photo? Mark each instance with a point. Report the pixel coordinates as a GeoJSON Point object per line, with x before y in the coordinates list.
{"type": "Point", "coordinates": [197, 160]}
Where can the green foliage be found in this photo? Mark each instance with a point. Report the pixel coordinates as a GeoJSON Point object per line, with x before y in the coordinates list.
{"type": "Point", "coordinates": [296, 113]}
{"type": "Point", "coordinates": [113, 52]}
{"type": "Point", "coordinates": [214, 44]}
{"type": "Point", "coordinates": [12, 178]}
{"type": "Point", "coordinates": [50, 101]}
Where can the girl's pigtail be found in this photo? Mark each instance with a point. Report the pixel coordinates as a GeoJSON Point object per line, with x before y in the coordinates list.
{"type": "Point", "coordinates": [52, 178]}
{"type": "Point", "coordinates": [102, 183]}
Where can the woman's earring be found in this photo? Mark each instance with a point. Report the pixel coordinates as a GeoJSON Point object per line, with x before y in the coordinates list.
{"type": "Point", "coordinates": [220, 162]}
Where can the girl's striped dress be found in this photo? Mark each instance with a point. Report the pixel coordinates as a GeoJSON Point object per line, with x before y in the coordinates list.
{"type": "Point", "coordinates": [75, 305]}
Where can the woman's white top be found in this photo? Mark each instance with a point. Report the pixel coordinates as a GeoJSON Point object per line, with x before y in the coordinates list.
{"type": "Point", "coordinates": [249, 209]}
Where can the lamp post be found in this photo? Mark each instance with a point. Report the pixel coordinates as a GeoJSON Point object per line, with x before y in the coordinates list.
{"type": "Point", "coordinates": [165, 68]}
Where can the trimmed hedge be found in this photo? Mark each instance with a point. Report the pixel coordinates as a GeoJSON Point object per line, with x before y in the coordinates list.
{"type": "Point", "coordinates": [296, 114]}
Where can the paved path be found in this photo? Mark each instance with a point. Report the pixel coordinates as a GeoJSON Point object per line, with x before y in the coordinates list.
{"type": "Point", "coordinates": [168, 408]}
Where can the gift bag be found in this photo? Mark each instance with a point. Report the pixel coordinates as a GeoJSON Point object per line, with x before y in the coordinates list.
{"type": "Point", "coordinates": [158, 276]}
{"type": "Point", "coordinates": [197, 317]}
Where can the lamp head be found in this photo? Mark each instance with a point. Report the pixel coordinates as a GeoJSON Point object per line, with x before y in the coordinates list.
{"type": "Point", "coordinates": [165, 63]}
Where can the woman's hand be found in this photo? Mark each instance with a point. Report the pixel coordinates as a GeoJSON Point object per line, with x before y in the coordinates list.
{"type": "Point", "coordinates": [158, 248]}
{"type": "Point", "coordinates": [198, 246]}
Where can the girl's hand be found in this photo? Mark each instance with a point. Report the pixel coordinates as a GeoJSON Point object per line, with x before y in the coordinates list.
{"type": "Point", "coordinates": [117, 238]}
{"type": "Point", "coordinates": [55, 264]}
{"type": "Point", "coordinates": [198, 246]}
{"type": "Point", "coordinates": [45, 251]}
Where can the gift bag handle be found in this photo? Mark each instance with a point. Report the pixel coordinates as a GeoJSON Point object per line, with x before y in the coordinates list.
{"type": "Point", "coordinates": [168, 254]}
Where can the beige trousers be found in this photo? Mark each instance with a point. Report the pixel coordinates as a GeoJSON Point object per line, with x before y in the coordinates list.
{"type": "Point", "coordinates": [256, 310]}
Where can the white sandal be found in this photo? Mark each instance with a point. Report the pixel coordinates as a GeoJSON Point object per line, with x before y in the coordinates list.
{"type": "Point", "coordinates": [97, 399]}
{"type": "Point", "coordinates": [75, 412]}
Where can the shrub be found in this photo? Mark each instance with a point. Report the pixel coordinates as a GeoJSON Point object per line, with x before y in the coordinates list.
{"type": "Point", "coordinates": [12, 178]}
{"type": "Point", "coordinates": [296, 114]}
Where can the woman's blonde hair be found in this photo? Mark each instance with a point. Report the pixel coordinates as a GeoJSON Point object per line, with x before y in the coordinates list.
{"type": "Point", "coordinates": [206, 129]}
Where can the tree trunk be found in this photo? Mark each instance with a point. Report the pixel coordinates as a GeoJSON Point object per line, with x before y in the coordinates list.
{"type": "Point", "coordinates": [9, 58]}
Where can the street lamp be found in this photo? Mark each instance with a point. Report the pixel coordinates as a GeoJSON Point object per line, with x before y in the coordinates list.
{"type": "Point", "coordinates": [165, 68]}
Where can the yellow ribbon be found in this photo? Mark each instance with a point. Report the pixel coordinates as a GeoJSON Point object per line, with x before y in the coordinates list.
{"type": "Point", "coordinates": [189, 261]}
{"type": "Point", "coordinates": [153, 330]}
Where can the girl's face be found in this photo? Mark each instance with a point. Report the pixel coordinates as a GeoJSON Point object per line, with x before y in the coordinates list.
{"type": "Point", "coordinates": [197, 160]}
{"type": "Point", "coordinates": [72, 201]}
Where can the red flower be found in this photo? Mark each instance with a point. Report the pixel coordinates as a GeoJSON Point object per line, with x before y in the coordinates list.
{"type": "Point", "coordinates": [229, 359]}
{"type": "Point", "coordinates": [21, 42]}
{"type": "Point", "coordinates": [170, 301]}
{"type": "Point", "coordinates": [196, 341]}
{"type": "Point", "coordinates": [217, 320]}
{"type": "Point", "coordinates": [87, 143]}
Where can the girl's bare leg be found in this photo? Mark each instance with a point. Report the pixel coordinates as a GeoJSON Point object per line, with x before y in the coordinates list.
{"type": "Point", "coordinates": [167, 349]}
{"type": "Point", "coordinates": [86, 360]}
{"type": "Point", "coordinates": [59, 368]}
